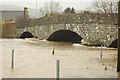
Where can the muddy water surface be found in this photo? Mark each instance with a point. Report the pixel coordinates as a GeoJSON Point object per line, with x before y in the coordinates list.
{"type": "Point", "coordinates": [33, 59]}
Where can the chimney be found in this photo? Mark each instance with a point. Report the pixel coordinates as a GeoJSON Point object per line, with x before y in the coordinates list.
{"type": "Point", "coordinates": [25, 11]}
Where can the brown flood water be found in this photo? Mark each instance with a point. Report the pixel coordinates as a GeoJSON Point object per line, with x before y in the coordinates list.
{"type": "Point", "coordinates": [33, 59]}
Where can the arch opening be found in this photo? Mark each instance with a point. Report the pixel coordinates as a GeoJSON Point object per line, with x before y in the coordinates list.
{"type": "Point", "coordinates": [65, 36]}
{"type": "Point", "coordinates": [114, 44]}
{"type": "Point", "coordinates": [26, 35]}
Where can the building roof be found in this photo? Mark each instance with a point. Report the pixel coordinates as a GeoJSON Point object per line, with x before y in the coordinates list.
{"type": "Point", "coordinates": [7, 15]}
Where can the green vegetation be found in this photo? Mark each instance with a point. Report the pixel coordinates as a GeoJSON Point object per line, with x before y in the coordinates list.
{"type": "Point", "coordinates": [87, 11]}
{"type": "Point", "coordinates": [69, 10]}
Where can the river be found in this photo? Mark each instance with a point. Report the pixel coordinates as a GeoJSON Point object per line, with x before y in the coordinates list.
{"type": "Point", "coordinates": [34, 59]}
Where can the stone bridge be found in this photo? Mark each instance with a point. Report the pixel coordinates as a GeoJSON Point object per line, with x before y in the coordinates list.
{"type": "Point", "coordinates": [91, 28]}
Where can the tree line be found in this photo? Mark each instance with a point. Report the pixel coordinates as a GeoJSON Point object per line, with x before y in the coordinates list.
{"type": "Point", "coordinates": [54, 8]}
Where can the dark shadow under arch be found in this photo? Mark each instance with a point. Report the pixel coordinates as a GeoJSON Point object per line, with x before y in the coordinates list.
{"type": "Point", "coordinates": [114, 44]}
{"type": "Point", "coordinates": [26, 35]}
{"type": "Point", "coordinates": [65, 36]}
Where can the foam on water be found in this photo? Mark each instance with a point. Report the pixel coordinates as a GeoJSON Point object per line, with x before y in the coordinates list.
{"type": "Point", "coordinates": [75, 44]}
{"type": "Point", "coordinates": [31, 39]}
{"type": "Point", "coordinates": [44, 40]}
{"type": "Point", "coordinates": [80, 45]}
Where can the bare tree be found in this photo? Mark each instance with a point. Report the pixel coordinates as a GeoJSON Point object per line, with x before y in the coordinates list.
{"type": "Point", "coordinates": [50, 8]}
{"type": "Point", "coordinates": [22, 21]}
{"type": "Point", "coordinates": [106, 7]}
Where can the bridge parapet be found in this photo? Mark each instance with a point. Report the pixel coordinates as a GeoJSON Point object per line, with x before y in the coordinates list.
{"type": "Point", "coordinates": [79, 19]}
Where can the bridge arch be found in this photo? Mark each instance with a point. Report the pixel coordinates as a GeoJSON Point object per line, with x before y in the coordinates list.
{"type": "Point", "coordinates": [26, 34]}
{"type": "Point", "coordinates": [65, 36]}
{"type": "Point", "coordinates": [114, 44]}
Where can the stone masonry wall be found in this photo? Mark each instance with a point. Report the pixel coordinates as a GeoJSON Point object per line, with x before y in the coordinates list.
{"type": "Point", "coordinates": [93, 28]}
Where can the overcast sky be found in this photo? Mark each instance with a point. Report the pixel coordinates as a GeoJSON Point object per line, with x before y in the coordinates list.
{"type": "Point", "coordinates": [55, 0]}
{"type": "Point", "coordinates": [77, 4]}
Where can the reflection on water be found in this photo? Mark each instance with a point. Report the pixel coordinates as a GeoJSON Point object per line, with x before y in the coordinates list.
{"type": "Point", "coordinates": [34, 59]}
